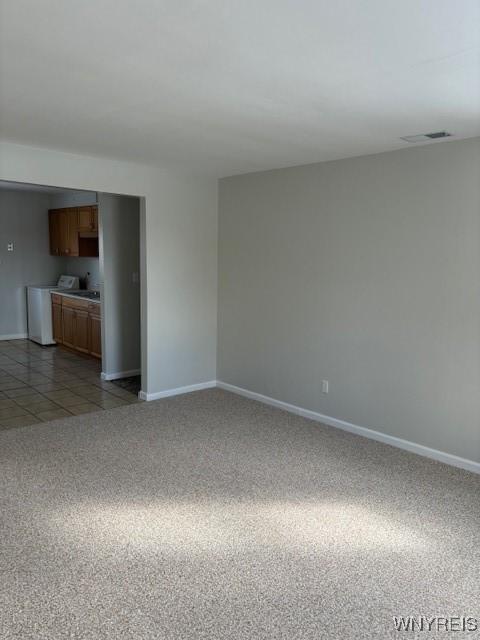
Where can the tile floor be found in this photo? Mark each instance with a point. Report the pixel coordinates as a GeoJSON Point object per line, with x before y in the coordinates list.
{"type": "Point", "coordinates": [132, 384]}
{"type": "Point", "coordinates": [38, 384]}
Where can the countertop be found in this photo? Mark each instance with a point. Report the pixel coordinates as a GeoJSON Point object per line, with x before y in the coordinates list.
{"type": "Point", "coordinates": [76, 296]}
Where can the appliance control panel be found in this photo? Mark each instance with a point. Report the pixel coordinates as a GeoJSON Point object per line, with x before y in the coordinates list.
{"type": "Point", "coordinates": [68, 282]}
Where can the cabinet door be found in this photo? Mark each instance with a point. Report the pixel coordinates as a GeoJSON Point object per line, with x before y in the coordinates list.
{"type": "Point", "coordinates": [94, 218]}
{"type": "Point", "coordinates": [95, 337]}
{"type": "Point", "coordinates": [57, 323]}
{"type": "Point", "coordinates": [71, 248]}
{"type": "Point", "coordinates": [54, 228]}
{"type": "Point", "coordinates": [63, 231]}
{"type": "Point", "coordinates": [68, 325]}
{"type": "Point", "coordinates": [63, 225]}
{"type": "Point", "coordinates": [85, 219]}
{"type": "Point", "coordinates": [81, 331]}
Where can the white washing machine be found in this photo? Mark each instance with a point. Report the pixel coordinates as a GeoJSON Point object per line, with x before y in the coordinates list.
{"type": "Point", "coordinates": [40, 308]}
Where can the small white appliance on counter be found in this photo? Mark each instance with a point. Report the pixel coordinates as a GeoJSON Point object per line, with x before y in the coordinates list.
{"type": "Point", "coordinates": [40, 308]}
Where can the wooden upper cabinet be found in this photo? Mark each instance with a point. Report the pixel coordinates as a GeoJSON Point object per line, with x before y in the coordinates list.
{"type": "Point", "coordinates": [95, 218]}
{"type": "Point", "coordinates": [87, 219]}
{"type": "Point", "coordinates": [58, 221]}
{"type": "Point", "coordinates": [67, 226]}
{"type": "Point", "coordinates": [84, 219]}
{"type": "Point", "coordinates": [63, 232]}
{"type": "Point", "coordinates": [71, 243]}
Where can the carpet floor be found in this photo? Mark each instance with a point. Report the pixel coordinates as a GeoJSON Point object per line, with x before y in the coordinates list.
{"type": "Point", "coordinates": [213, 516]}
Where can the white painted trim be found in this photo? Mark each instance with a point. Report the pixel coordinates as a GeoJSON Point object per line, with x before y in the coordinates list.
{"type": "Point", "coordinates": [176, 392]}
{"type": "Point", "coordinates": [14, 336]}
{"type": "Point", "coordinates": [413, 447]}
{"type": "Point", "coordinates": [119, 374]}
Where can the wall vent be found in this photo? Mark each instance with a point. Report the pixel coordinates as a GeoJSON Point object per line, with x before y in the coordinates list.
{"type": "Point", "coordinates": [424, 137]}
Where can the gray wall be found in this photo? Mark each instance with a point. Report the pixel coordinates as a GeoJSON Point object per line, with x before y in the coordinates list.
{"type": "Point", "coordinates": [23, 221]}
{"type": "Point", "coordinates": [72, 199]}
{"type": "Point", "coordinates": [80, 266]}
{"type": "Point", "coordinates": [181, 280]}
{"type": "Point", "coordinates": [364, 272]}
{"type": "Point", "coordinates": [119, 260]}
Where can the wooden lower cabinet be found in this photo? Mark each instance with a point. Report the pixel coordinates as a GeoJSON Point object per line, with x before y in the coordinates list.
{"type": "Point", "coordinates": [57, 322]}
{"type": "Point", "coordinates": [77, 324]}
{"type": "Point", "coordinates": [81, 331]}
{"type": "Point", "coordinates": [95, 336]}
{"type": "Point", "coordinates": [68, 323]}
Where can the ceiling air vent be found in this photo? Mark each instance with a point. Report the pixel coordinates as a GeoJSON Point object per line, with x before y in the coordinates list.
{"type": "Point", "coordinates": [424, 137]}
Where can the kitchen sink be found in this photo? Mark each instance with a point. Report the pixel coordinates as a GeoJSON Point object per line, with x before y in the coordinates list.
{"type": "Point", "coordinates": [90, 295]}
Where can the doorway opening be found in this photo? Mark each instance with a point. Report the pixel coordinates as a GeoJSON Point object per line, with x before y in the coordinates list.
{"type": "Point", "coordinates": [70, 325]}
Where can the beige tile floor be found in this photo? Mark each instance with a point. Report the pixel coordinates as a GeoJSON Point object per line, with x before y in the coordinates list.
{"type": "Point", "coordinates": [38, 384]}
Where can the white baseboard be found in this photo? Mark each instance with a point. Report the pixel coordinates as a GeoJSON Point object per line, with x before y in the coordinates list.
{"type": "Point", "coordinates": [407, 445]}
{"type": "Point", "coordinates": [120, 374]}
{"type": "Point", "coordinates": [413, 447]}
{"type": "Point", "coordinates": [176, 392]}
{"type": "Point", "coordinates": [14, 336]}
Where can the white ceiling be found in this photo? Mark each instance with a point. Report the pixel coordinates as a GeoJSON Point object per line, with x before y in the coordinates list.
{"type": "Point", "coordinates": [231, 86]}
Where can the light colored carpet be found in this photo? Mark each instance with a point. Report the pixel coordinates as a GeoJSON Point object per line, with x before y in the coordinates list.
{"type": "Point", "coordinates": [212, 516]}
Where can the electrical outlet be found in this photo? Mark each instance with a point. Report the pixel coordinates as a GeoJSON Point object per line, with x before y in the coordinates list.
{"type": "Point", "coordinates": [10, 246]}
{"type": "Point", "coordinates": [324, 386]}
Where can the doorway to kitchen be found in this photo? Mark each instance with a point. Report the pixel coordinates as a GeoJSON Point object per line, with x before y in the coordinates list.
{"type": "Point", "coordinates": [70, 329]}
